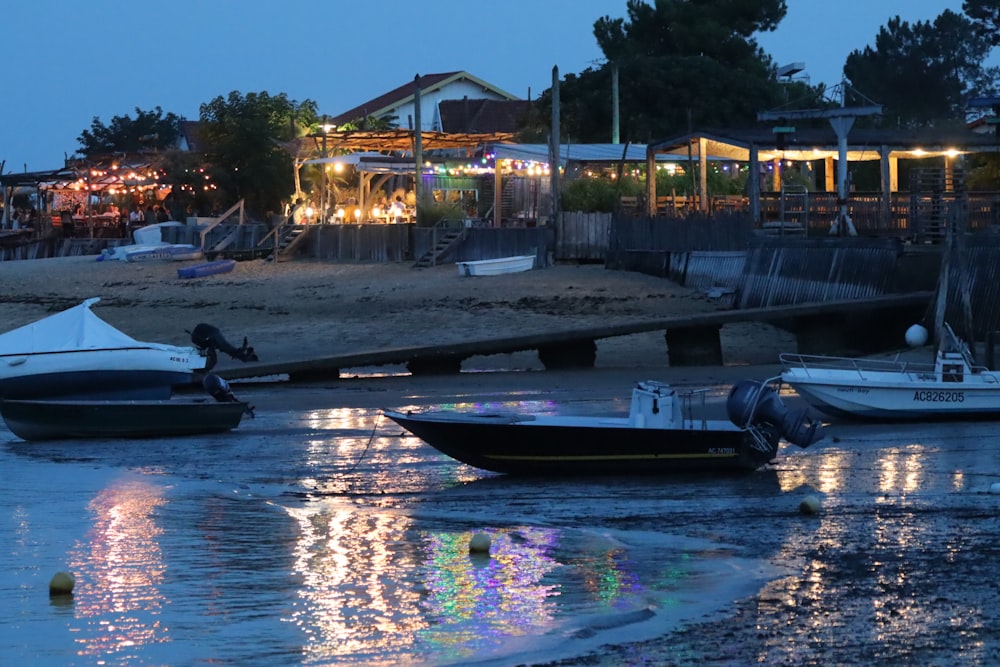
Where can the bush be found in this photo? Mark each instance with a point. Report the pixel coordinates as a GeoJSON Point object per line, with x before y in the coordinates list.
{"type": "Point", "coordinates": [431, 211]}
{"type": "Point", "coordinates": [596, 195]}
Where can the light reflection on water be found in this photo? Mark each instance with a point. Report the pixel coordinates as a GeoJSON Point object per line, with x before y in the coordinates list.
{"type": "Point", "coordinates": [118, 597]}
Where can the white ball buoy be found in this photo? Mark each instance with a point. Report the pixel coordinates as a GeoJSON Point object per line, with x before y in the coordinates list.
{"type": "Point", "coordinates": [995, 487]}
{"type": "Point", "coordinates": [809, 505]}
{"type": "Point", "coordinates": [61, 584]}
{"type": "Point", "coordinates": [916, 336]}
{"type": "Point", "coordinates": [479, 544]}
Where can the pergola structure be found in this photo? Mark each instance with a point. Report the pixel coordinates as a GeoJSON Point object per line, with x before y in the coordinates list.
{"type": "Point", "coordinates": [761, 145]}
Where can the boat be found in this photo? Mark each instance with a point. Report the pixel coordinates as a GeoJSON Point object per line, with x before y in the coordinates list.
{"type": "Point", "coordinates": [954, 386]}
{"type": "Point", "coordinates": [76, 354]}
{"type": "Point", "coordinates": [661, 434]}
{"type": "Point", "coordinates": [495, 267]}
{"type": "Point", "coordinates": [207, 268]}
{"type": "Point", "coordinates": [170, 251]}
{"type": "Point", "coordinates": [34, 420]}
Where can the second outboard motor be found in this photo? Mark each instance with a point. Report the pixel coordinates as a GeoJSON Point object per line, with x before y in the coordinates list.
{"type": "Point", "coordinates": [756, 404]}
{"type": "Point", "coordinates": [220, 390]}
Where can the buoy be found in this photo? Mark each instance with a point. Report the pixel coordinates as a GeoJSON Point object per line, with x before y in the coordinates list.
{"type": "Point", "coordinates": [809, 505]}
{"type": "Point", "coordinates": [995, 487]}
{"type": "Point", "coordinates": [916, 336]}
{"type": "Point", "coordinates": [479, 544]}
{"type": "Point", "coordinates": [61, 584]}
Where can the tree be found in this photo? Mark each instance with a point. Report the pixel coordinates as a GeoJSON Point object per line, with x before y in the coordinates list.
{"type": "Point", "coordinates": [244, 135]}
{"type": "Point", "coordinates": [681, 64]}
{"type": "Point", "coordinates": [148, 130]}
{"type": "Point", "coordinates": [985, 15]}
{"type": "Point", "coordinates": [923, 73]}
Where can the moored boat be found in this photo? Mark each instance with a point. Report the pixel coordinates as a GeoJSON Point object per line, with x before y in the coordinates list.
{"type": "Point", "coordinates": [498, 266]}
{"type": "Point", "coordinates": [660, 435]}
{"type": "Point", "coordinates": [953, 387]}
{"type": "Point", "coordinates": [75, 353]}
{"type": "Point", "coordinates": [64, 419]}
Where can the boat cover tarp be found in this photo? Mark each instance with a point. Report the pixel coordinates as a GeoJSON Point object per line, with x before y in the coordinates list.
{"type": "Point", "coordinates": [76, 328]}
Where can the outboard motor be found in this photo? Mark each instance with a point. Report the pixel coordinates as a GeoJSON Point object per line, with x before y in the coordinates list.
{"type": "Point", "coordinates": [755, 405]}
{"type": "Point", "coordinates": [208, 339]}
{"type": "Point", "coordinates": [219, 389]}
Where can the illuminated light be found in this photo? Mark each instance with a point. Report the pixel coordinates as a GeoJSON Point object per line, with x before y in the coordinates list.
{"type": "Point", "coordinates": [309, 211]}
{"type": "Point", "coordinates": [376, 211]}
{"type": "Point", "coordinates": [953, 152]}
{"type": "Point", "coordinates": [919, 151]}
{"type": "Point", "coordinates": [357, 213]}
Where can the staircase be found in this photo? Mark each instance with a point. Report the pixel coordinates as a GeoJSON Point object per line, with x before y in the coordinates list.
{"type": "Point", "coordinates": [935, 195]}
{"type": "Point", "coordinates": [443, 241]}
{"type": "Point", "coordinates": [286, 237]}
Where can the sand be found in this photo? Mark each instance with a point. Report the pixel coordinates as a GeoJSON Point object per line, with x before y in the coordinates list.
{"type": "Point", "coordinates": [306, 309]}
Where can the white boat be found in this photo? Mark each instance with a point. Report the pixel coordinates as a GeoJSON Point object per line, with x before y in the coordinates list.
{"type": "Point", "coordinates": [76, 354]}
{"type": "Point", "coordinates": [495, 267]}
{"type": "Point", "coordinates": [896, 389]}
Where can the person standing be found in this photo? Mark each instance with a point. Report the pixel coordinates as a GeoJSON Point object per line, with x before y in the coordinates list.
{"type": "Point", "coordinates": [299, 212]}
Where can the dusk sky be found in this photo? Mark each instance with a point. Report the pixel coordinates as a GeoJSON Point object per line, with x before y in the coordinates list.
{"type": "Point", "coordinates": [71, 61]}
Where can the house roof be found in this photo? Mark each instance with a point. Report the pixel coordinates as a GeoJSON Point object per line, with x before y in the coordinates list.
{"type": "Point", "coordinates": [397, 140]}
{"type": "Point", "coordinates": [396, 97]}
{"type": "Point", "coordinates": [482, 115]}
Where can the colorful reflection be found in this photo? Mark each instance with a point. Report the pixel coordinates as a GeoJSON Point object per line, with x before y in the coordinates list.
{"type": "Point", "coordinates": [119, 571]}
{"type": "Point", "coordinates": [376, 589]}
{"type": "Point", "coordinates": [475, 602]}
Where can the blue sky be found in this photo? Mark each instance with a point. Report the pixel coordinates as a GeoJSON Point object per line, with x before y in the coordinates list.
{"type": "Point", "coordinates": [69, 61]}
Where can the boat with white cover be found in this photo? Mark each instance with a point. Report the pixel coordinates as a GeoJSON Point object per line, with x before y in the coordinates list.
{"type": "Point", "coordinates": [954, 386]}
{"type": "Point", "coordinates": [76, 354]}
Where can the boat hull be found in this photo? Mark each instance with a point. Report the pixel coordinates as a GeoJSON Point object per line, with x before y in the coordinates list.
{"type": "Point", "coordinates": [137, 373]}
{"type": "Point", "coordinates": [906, 398]}
{"type": "Point", "coordinates": [523, 445]}
{"type": "Point", "coordinates": [66, 419]}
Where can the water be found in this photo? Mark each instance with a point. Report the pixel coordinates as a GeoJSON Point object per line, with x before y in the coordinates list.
{"type": "Point", "coordinates": [323, 536]}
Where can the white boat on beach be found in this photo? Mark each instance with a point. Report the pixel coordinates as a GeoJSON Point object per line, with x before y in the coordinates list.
{"type": "Point", "coordinates": [495, 267]}
{"type": "Point", "coordinates": [896, 389]}
{"type": "Point", "coordinates": [76, 354]}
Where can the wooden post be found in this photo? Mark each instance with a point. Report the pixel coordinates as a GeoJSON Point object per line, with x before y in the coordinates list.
{"type": "Point", "coordinates": [753, 185]}
{"type": "Point", "coordinates": [886, 208]}
{"type": "Point", "coordinates": [650, 182]}
{"type": "Point", "coordinates": [703, 173]}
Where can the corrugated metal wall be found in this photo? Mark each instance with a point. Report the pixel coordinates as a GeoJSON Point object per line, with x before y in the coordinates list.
{"type": "Point", "coordinates": [982, 257]}
{"type": "Point", "coordinates": [789, 272]}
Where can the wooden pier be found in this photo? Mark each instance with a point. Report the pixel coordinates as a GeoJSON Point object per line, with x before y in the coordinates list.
{"type": "Point", "coordinates": [857, 326]}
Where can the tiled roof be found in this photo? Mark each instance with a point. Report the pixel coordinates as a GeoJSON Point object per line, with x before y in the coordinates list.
{"type": "Point", "coordinates": [398, 96]}
{"type": "Point", "coordinates": [481, 115]}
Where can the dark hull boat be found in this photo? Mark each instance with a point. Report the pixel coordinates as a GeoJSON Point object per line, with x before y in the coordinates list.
{"type": "Point", "coordinates": [65, 419]}
{"type": "Point", "coordinates": [655, 438]}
